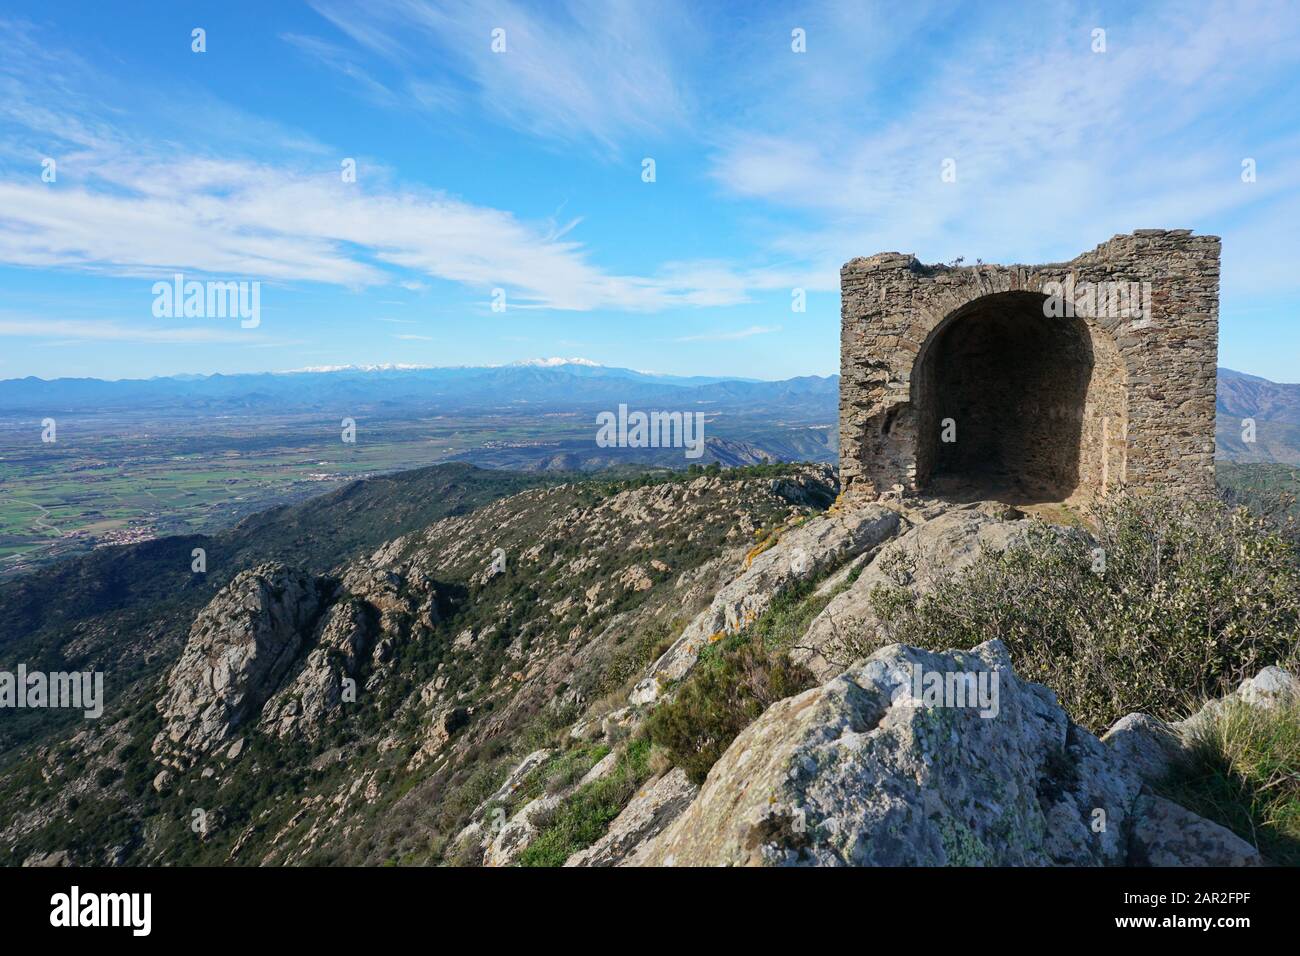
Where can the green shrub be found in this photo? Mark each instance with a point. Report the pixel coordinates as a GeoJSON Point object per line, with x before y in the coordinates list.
{"type": "Point", "coordinates": [1175, 601]}
{"type": "Point", "coordinates": [787, 618]}
{"type": "Point", "coordinates": [722, 696]}
{"type": "Point", "coordinates": [1269, 489]}
{"type": "Point", "coordinates": [627, 662]}
{"type": "Point", "coordinates": [583, 817]}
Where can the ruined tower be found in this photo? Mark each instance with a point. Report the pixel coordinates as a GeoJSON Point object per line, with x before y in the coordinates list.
{"type": "Point", "coordinates": [1046, 382]}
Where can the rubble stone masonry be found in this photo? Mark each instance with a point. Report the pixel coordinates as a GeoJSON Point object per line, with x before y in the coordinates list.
{"type": "Point", "coordinates": [1066, 380]}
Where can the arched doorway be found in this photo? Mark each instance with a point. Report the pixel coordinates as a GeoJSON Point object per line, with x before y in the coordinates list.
{"type": "Point", "coordinates": [1015, 405]}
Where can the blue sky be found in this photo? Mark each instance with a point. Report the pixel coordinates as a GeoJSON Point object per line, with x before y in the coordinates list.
{"type": "Point", "coordinates": [522, 171]}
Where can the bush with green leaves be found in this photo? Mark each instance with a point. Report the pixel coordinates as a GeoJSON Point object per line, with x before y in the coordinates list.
{"type": "Point", "coordinates": [1268, 489]}
{"type": "Point", "coordinates": [724, 695]}
{"type": "Point", "coordinates": [584, 816]}
{"type": "Point", "coordinates": [1173, 602]}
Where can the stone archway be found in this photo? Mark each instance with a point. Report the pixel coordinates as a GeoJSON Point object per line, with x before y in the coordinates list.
{"type": "Point", "coordinates": [1013, 404]}
{"type": "Point", "coordinates": [1108, 395]}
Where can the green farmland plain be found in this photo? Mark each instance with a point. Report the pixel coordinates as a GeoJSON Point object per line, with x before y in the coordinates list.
{"type": "Point", "coordinates": [100, 483]}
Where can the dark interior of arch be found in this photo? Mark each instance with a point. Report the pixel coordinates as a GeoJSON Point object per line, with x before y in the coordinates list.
{"type": "Point", "coordinates": [1014, 382]}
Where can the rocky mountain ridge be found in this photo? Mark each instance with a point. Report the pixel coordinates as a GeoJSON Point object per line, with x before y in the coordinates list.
{"type": "Point", "coordinates": [451, 649]}
{"type": "Point", "coordinates": [477, 692]}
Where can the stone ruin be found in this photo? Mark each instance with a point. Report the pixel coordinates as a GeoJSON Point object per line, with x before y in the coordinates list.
{"type": "Point", "coordinates": [1042, 383]}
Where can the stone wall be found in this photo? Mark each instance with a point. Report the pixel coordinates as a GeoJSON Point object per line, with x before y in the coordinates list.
{"type": "Point", "coordinates": [1068, 395]}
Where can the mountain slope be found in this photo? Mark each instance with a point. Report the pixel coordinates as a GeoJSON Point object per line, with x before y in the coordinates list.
{"type": "Point", "coordinates": [457, 668]}
{"type": "Point", "coordinates": [1275, 410]}
{"type": "Point", "coordinates": [559, 675]}
{"type": "Point", "coordinates": [126, 609]}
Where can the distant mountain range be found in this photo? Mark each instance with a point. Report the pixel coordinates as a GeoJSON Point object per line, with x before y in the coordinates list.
{"type": "Point", "coordinates": [1274, 409]}
{"type": "Point", "coordinates": [560, 383]}
{"type": "Point", "coordinates": [541, 385]}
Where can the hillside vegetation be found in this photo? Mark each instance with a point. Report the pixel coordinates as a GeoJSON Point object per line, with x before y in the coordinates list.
{"type": "Point", "coordinates": [1168, 603]}
{"type": "Point", "coordinates": [465, 671]}
{"type": "Point", "coordinates": [523, 674]}
{"type": "Point", "coordinates": [126, 609]}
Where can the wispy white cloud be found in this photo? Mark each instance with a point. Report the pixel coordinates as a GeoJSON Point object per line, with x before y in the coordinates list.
{"type": "Point", "coordinates": [730, 336]}
{"type": "Point", "coordinates": [340, 60]}
{"type": "Point", "coordinates": [823, 155]}
{"type": "Point", "coordinates": [125, 204]}
{"type": "Point", "coordinates": [252, 221]}
{"type": "Point", "coordinates": [581, 70]}
{"type": "Point", "coordinates": [1055, 146]}
{"type": "Point", "coordinates": [99, 331]}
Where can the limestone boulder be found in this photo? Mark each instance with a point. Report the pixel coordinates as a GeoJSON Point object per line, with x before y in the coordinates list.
{"type": "Point", "coordinates": [519, 832]}
{"type": "Point", "coordinates": [1152, 747]}
{"type": "Point", "coordinates": [1271, 687]}
{"type": "Point", "coordinates": [860, 772]}
{"type": "Point", "coordinates": [1166, 834]}
{"type": "Point", "coordinates": [871, 769]}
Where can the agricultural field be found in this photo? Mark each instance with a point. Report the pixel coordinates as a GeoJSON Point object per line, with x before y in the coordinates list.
{"type": "Point", "coordinates": [101, 483]}
{"type": "Point", "coordinates": [123, 478]}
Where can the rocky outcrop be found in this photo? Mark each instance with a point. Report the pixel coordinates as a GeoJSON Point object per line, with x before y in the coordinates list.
{"type": "Point", "coordinates": [515, 779]}
{"type": "Point", "coordinates": [810, 489]}
{"type": "Point", "coordinates": [400, 599]}
{"type": "Point", "coordinates": [1271, 687]}
{"type": "Point", "coordinates": [935, 546]}
{"type": "Point", "coordinates": [53, 859]}
{"type": "Point", "coordinates": [802, 552]}
{"type": "Point", "coordinates": [617, 723]}
{"type": "Point", "coordinates": [328, 677]}
{"type": "Point", "coordinates": [498, 840]}
{"type": "Point", "coordinates": [644, 818]}
{"type": "Point", "coordinates": [863, 771]}
{"type": "Point", "coordinates": [240, 647]}
{"type": "Point", "coordinates": [1150, 746]}
{"type": "Point", "coordinates": [852, 772]}
{"type": "Point", "coordinates": [442, 725]}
